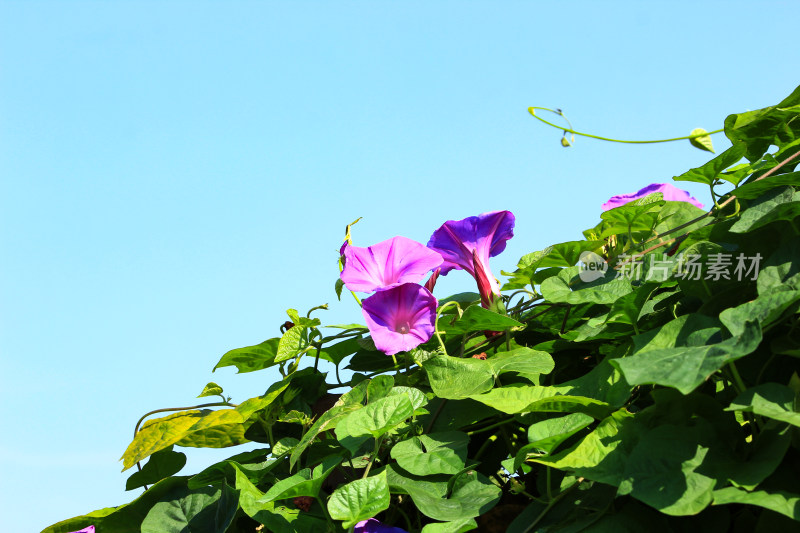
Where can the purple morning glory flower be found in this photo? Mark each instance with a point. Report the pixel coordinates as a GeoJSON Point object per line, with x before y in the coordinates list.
{"type": "Point", "coordinates": [400, 318]}
{"type": "Point", "coordinates": [469, 243]}
{"type": "Point", "coordinates": [387, 264]}
{"type": "Point", "coordinates": [373, 526]}
{"type": "Point", "coordinates": [670, 192]}
{"type": "Point", "coordinates": [89, 529]}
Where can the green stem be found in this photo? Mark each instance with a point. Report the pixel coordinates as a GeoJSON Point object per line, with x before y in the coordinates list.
{"type": "Point", "coordinates": [168, 409]}
{"type": "Point", "coordinates": [598, 137]}
{"type": "Point", "coordinates": [436, 330]}
{"type": "Point", "coordinates": [436, 415]}
{"type": "Point", "coordinates": [405, 517]}
{"type": "Point", "coordinates": [331, 525]}
{"type": "Point", "coordinates": [485, 445]}
{"type": "Point", "coordinates": [737, 379]}
{"type": "Point", "coordinates": [547, 483]}
{"type": "Point", "coordinates": [763, 368]}
{"type": "Point", "coordinates": [550, 505]}
{"type": "Point", "coordinates": [373, 456]}
{"type": "Point", "coordinates": [488, 428]}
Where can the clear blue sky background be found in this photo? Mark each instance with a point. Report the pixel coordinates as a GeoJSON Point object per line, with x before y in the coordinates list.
{"type": "Point", "coordinates": [174, 175]}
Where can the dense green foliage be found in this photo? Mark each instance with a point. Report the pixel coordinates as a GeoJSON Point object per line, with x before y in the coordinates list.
{"type": "Point", "coordinates": [661, 397]}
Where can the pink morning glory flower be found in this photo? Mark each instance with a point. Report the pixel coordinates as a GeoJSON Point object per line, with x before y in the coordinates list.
{"type": "Point", "coordinates": [469, 243]}
{"type": "Point", "coordinates": [89, 529]}
{"type": "Point", "coordinates": [401, 318]}
{"type": "Point", "coordinates": [670, 192]}
{"type": "Point", "coordinates": [374, 526]}
{"type": "Point", "coordinates": [387, 264]}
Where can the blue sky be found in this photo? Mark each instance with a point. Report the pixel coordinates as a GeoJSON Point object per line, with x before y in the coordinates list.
{"type": "Point", "coordinates": [174, 175]}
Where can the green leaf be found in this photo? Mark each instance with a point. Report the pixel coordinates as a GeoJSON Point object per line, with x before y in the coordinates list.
{"type": "Point", "coordinates": [703, 142]}
{"type": "Point", "coordinates": [638, 216]}
{"type": "Point", "coordinates": [596, 393]}
{"type": "Point", "coordinates": [283, 446]}
{"type": "Point", "coordinates": [692, 357]}
{"type": "Point", "coordinates": [337, 352]}
{"type": "Point", "coordinates": [251, 406]}
{"type": "Point", "coordinates": [359, 500]}
{"type": "Point", "coordinates": [777, 204]}
{"type": "Point", "coordinates": [376, 418]}
{"type": "Point", "coordinates": [161, 464]}
{"type": "Point", "coordinates": [160, 433]}
{"type": "Point", "coordinates": [329, 420]}
{"type": "Point", "coordinates": [211, 389]}
{"type": "Point", "coordinates": [764, 310]}
{"type": "Point", "coordinates": [768, 399]}
{"type": "Point", "coordinates": [768, 451]}
{"type": "Point", "coordinates": [548, 434]}
{"type": "Point", "coordinates": [472, 495]}
{"type": "Point", "coordinates": [782, 269]}
{"type": "Point", "coordinates": [458, 526]}
{"type": "Point", "coordinates": [628, 309]}
{"type": "Point", "coordinates": [226, 470]}
{"type": "Point", "coordinates": [304, 483]}
{"type": "Point", "coordinates": [437, 453]}
{"type": "Point", "coordinates": [338, 286]}
{"type": "Point", "coordinates": [417, 397]}
{"type": "Point", "coordinates": [204, 510]}
{"type": "Point", "coordinates": [601, 455]}
{"type": "Point", "coordinates": [665, 471]}
{"type": "Point", "coordinates": [755, 189]}
{"type": "Point", "coordinates": [567, 287]}
{"type": "Point", "coordinates": [521, 360]}
{"type": "Point", "coordinates": [519, 398]}
{"type": "Point", "coordinates": [783, 502]}
{"type": "Point", "coordinates": [251, 358]}
{"type": "Point", "coordinates": [454, 378]}
{"type": "Point", "coordinates": [290, 343]}
{"type": "Point", "coordinates": [565, 254]}
{"type": "Point", "coordinates": [476, 318]}
{"type": "Point", "coordinates": [758, 129]}
{"type": "Point", "coordinates": [378, 387]}
{"type": "Point", "coordinates": [712, 170]}
{"type": "Point", "coordinates": [274, 517]}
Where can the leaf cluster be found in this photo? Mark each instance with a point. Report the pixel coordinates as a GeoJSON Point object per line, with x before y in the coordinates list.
{"type": "Point", "coordinates": [662, 396]}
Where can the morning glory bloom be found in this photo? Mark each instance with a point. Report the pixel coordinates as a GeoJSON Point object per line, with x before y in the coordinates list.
{"type": "Point", "coordinates": [89, 529]}
{"type": "Point", "coordinates": [373, 526]}
{"type": "Point", "coordinates": [387, 264]}
{"type": "Point", "coordinates": [469, 243]}
{"type": "Point", "coordinates": [670, 192]}
{"type": "Point", "coordinates": [401, 318]}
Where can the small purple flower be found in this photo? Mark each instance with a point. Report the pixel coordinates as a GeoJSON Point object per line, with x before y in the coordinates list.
{"type": "Point", "coordinates": [387, 264]}
{"type": "Point", "coordinates": [670, 192]}
{"type": "Point", "coordinates": [469, 243]}
{"type": "Point", "coordinates": [400, 318]}
{"type": "Point", "coordinates": [373, 526]}
{"type": "Point", "coordinates": [89, 529]}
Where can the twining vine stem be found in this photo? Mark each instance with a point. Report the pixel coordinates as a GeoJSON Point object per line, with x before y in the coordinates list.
{"type": "Point", "coordinates": [598, 137]}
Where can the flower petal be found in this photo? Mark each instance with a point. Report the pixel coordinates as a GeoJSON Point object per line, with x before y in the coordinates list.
{"type": "Point", "coordinates": [374, 526]}
{"type": "Point", "coordinates": [387, 264]}
{"type": "Point", "coordinates": [670, 192]}
{"type": "Point", "coordinates": [485, 234]}
{"type": "Point", "coordinates": [401, 318]}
